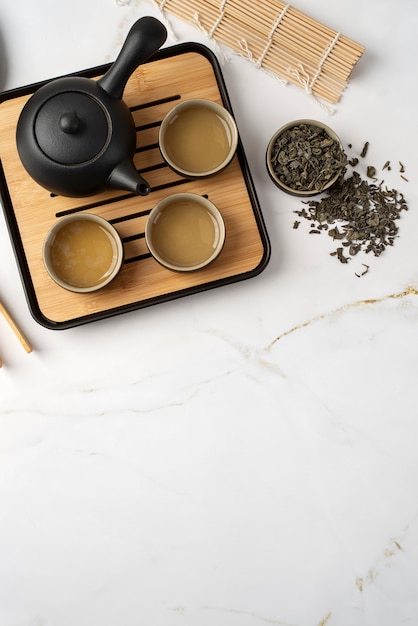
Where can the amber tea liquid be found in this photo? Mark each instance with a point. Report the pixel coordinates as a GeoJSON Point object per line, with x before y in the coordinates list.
{"type": "Point", "coordinates": [185, 234]}
{"type": "Point", "coordinates": [197, 140]}
{"type": "Point", "coordinates": [82, 253]}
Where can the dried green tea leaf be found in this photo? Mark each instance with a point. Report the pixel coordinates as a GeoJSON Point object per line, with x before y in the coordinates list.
{"type": "Point", "coordinates": [365, 149]}
{"type": "Point", "coordinates": [361, 215]}
{"type": "Point", "coordinates": [305, 158]}
{"type": "Point", "coordinates": [365, 271]}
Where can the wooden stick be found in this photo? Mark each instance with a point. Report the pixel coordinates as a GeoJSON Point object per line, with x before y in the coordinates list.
{"type": "Point", "coordinates": [18, 332]}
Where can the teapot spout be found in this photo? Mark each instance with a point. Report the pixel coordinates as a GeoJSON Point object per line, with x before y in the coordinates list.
{"type": "Point", "coordinates": [125, 176]}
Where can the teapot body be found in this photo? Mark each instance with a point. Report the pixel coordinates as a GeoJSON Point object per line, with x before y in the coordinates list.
{"type": "Point", "coordinates": [77, 163]}
{"type": "Point", "coordinates": [76, 136]}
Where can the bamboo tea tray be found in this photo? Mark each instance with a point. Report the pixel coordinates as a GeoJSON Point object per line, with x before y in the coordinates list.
{"type": "Point", "coordinates": [181, 72]}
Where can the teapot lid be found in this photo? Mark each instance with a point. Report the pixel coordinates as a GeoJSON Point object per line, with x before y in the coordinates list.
{"type": "Point", "coordinates": [71, 128]}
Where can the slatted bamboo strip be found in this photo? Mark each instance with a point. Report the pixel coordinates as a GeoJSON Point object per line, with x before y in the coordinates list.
{"type": "Point", "coordinates": [277, 37]}
{"type": "Point", "coordinates": [306, 54]}
{"type": "Point", "coordinates": [281, 66]}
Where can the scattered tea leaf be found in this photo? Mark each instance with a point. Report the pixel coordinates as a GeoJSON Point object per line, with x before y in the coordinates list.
{"type": "Point", "coordinates": [336, 234]}
{"type": "Point", "coordinates": [365, 149]}
{"type": "Point", "coordinates": [362, 215]}
{"type": "Point", "coordinates": [365, 271]}
{"type": "Point", "coordinates": [341, 257]}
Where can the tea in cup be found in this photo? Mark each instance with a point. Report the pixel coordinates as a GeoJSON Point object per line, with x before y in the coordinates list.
{"type": "Point", "coordinates": [83, 253]}
{"type": "Point", "coordinates": [198, 138]}
{"type": "Point", "coordinates": [185, 232]}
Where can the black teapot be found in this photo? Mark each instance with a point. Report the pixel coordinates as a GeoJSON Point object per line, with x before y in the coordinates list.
{"type": "Point", "coordinates": [76, 136]}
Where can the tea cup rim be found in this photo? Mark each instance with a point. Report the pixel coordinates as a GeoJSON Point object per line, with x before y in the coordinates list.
{"type": "Point", "coordinates": [117, 257]}
{"type": "Point", "coordinates": [203, 201]}
{"type": "Point", "coordinates": [223, 112]}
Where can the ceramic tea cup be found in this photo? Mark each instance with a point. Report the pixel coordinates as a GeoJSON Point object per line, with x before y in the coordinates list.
{"type": "Point", "coordinates": [198, 138]}
{"type": "Point", "coordinates": [305, 158]}
{"type": "Point", "coordinates": [82, 253]}
{"type": "Point", "coordinates": [185, 232]}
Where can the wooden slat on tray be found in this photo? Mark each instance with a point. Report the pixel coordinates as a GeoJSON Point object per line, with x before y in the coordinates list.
{"type": "Point", "coordinates": [151, 91]}
{"type": "Point", "coordinates": [277, 37]}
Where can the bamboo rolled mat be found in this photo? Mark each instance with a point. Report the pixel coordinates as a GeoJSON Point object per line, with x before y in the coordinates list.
{"type": "Point", "coordinates": [278, 38]}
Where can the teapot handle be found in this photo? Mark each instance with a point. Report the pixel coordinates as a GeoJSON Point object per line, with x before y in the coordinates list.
{"type": "Point", "coordinates": [146, 36]}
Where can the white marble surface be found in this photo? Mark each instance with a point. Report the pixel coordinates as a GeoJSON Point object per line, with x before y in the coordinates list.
{"type": "Point", "coordinates": [242, 457]}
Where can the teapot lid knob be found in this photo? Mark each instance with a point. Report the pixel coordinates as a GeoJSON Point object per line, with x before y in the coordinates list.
{"type": "Point", "coordinates": [70, 122]}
